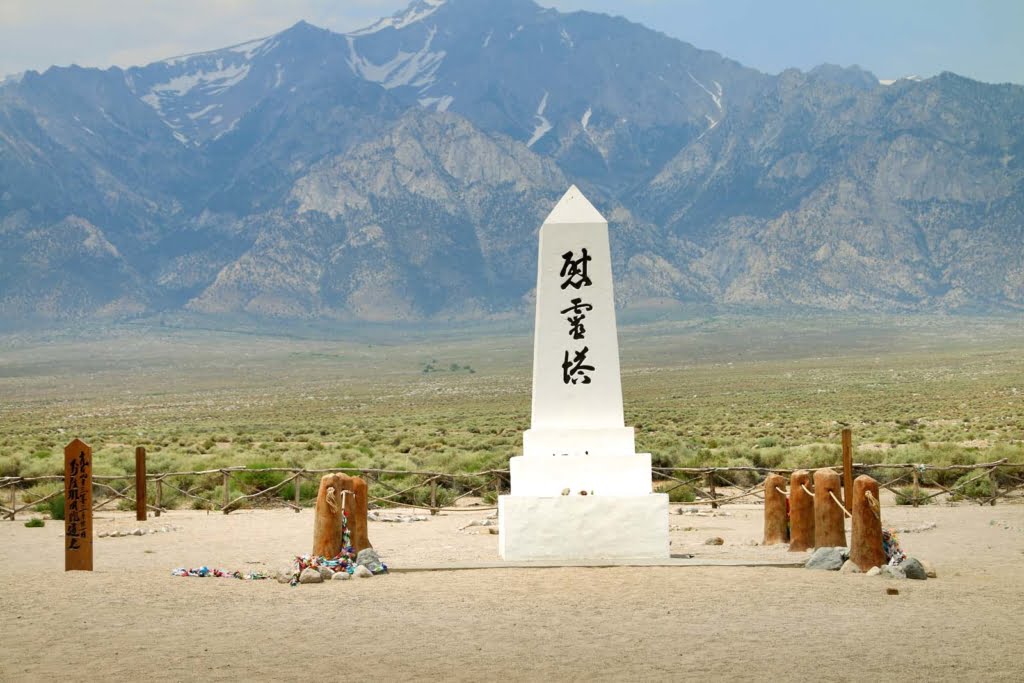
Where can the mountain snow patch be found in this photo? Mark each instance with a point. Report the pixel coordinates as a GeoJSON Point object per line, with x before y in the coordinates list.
{"type": "Point", "coordinates": [439, 103]}
{"type": "Point", "coordinates": [212, 82]}
{"type": "Point", "coordinates": [415, 12]}
{"type": "Point", "coordinates": [543, 125]}
{"type": "Point", "coordinates": [254, 48]}
{"type": "Point", "coordinates": [415, 69]}
{"type": "Point", "coordinates": [715, 97]}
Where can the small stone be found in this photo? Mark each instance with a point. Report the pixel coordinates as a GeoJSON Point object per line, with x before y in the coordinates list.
{"type": "Point", "coordinates": [830, 559]}
{"type": "Point", "coordinates": [284, 575]}
{"type": "Point", "coordinates": [715, 540]}
{"type": "Point", "coordinates": [368, 558]}
{"type": "Point", "coordinates": [892, 591]}
{"type": "Point", "coordinates": [850, 568]}
{"type": "Point", "coordinates": [326, 574]}
{"type": "Point", "coordinates": [340, 576]}
{"type": "Point", "coordinates": [102, 534]}
{"type": "Point", "coordinates": [136, 532]}
{"type": "Point", "coordinates": [493, 531]}
{"type": "Point", "coordinates": [874, 571]}
{"type": "Point", "coordinates": [362, 572]}
{"type": "Point", "coordinates": [913, 569]}
{"type": "Point", "coordinates": [310, 575]}
{"type": "Point", "coordinates": [565, 492]}
{"type": "Point", "coordinates": [929, 570]}
{"type": "Point", "coordinates": [891, 572]}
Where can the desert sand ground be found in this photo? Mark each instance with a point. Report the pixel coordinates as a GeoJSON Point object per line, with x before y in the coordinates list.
{"type": "Point", "coordinates": [130, 619]}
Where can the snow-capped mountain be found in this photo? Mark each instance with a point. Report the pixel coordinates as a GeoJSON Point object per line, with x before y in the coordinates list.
{"type": "Point", "coordinates": [401, 171]}
{"type": "Point", "coordinates": [604, 96]}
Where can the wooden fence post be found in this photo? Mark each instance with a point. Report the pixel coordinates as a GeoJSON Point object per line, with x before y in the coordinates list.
{"type": "Point", "coordinates": [433, 496]}
{"type": "Point", "coordinates": [866, 534]}
{"type": "Point", "coordinates": [848, 468]}
{"type": "Point", "coordinates": [775, 529]}
{"type": "Point", "coordinates": [14, 500]}
{"type": "Point", "coordinates": [158, 496]}
{"type": "Point", "coordinates": [227, 490]}
{"type": "Point", "coordinates": [995, 485]}
{"type": "Point", "coordinates": [709, 480]}
{"type": "Point", "coordinates": [140, 484]}
{"type": "Point", "coordinates": [298, 490]}
{"type": "Point", "coordinates": [829, 527]}
{"type": "Point", "coordinates": [801, 512]}
{"type": "Point", "coordinates": [917, 486]}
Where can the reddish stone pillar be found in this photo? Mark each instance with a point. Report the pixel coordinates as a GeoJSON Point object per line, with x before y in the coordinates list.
{"type": "Point", "coordinates": [801, 512]}
{"type": "Point", "coordinates": [327, 527]}
{"type": "Point", "coordinates": [829, 531]}
{"type": "Point", "coordinates": [866, 546]}
{"type": "Point", "coordinates": [775, 517]}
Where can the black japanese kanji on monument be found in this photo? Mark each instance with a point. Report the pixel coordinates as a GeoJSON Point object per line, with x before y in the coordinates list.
{"type": "Point", "coordinates": [575, 270]}
{"type": "Point", "coordinates": [575, 371]}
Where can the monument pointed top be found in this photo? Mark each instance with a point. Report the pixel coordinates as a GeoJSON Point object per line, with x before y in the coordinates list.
{"type": "Point", "coordinates": [573, 207]}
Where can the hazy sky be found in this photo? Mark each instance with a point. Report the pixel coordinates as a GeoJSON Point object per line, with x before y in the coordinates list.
{"type": "Point", "coordinates": [983, 39]}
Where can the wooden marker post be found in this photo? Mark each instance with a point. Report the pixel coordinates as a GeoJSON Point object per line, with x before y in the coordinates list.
{"type": "Point", "coordinates": [829, 523]}
{"type": "Point", "coordinates": [77, 506]}
{"type": "Point", "coordinates": [140, 484]}
{"type": "Point", "coordinates": [848, 468]}
{"type": "Point", "coordinates": [775, 519]}
{"type": "Point", "coordinates": [866, 546]}
{"type": "Point", "coordinates": [327, 527]}
{"type": "Point", "coordinates": [801, 512]}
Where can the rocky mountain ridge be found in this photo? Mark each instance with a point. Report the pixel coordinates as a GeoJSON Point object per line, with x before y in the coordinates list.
{"type": "Point", "coordinates": [401, 172]}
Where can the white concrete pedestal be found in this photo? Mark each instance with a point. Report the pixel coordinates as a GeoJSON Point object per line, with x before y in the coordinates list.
{"type": "Point", "coordinates": [583, 527]}
{"type": "Point", "coordinates": [599, 475]}
{"type": "Point", "coordinates": [578, 440]}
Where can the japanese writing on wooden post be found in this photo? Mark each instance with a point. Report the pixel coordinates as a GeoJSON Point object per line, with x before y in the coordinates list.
{"type": "Point", "coordinates": [77, 506]}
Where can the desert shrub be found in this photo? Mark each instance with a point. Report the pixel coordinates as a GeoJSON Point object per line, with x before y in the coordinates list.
{"type": "Point", "coordinates": [769, 458]}
{"type": "Point", "coordinates": [39, 491]}
{"type": "Point", "coordinates": [35, 522]}
{"type": "Point", "coordinates": [905, 496]}
{"type": "Point", "coordinates": [682, 494]}
{"type": "Point", "coordinates": [10, 466]}
{"type": "Point", "coordinates": [55, 506]}
{"type": "Point", "coordinates": [664, 459]}
{"type": "Point", "coordinates": [978, 488]}
{"type": "Point", "coordinates": [250, 481]}
{"type": "Point", "coordinates": [743, 478]}
{"type": "Point", "coordinates": [307, 491]}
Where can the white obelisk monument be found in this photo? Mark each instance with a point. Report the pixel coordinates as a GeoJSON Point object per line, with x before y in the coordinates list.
{"type": "Point", "coordinates": [580, 491]}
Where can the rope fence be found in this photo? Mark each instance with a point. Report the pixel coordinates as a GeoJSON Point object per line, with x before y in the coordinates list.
{"type": "Point", "coordinates": [439, 491]}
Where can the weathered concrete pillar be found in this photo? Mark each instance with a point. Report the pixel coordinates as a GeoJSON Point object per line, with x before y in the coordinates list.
{"type": "Point", "coordinates": [829, 531]}
{"type": "Point", "coordinates": [801, 512]}
{"type": "Point", "coordinates": [775, 518]}
{"type": "Point", "coordinates": [327, 524]}
{"type": "Point", "coordinates": [866, 545]}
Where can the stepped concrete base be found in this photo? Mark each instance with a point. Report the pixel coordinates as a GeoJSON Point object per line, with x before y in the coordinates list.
{"type": "Point", "coordinates": [575, 528]}
{"type": "Point", "coordinates": [600, 475]}
{"type": "Point", "coordinates": [561, 441]}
